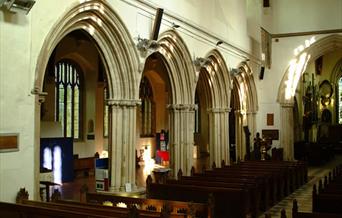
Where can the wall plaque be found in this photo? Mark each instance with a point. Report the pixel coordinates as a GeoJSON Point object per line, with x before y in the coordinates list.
{"type": "Point", "coordinates": [270, 134]}
{"type": "Point", "coordinates": [9, 142]}
{"type": "Point", "coordinates": [270, 119]}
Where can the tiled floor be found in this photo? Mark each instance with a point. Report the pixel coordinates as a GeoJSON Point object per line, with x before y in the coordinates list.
{"type": "Point", "coordinates": [304, 193]}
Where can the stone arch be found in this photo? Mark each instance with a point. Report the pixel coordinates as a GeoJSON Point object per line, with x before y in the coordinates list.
{"type": "Point", "coordinates": [218, 91]}
{"type": "Point", "coordinates": [181, 72]}
{"type": "Point", "coordinates": [288, 85]}
{"type": "Point", "coordinates": [321, 47]}
{"type": "Point", "coordinates": [247, 105]}
{"type": "Point", "coordinates": [336, 74]}
{"type": "Point", "coordinates": [179, 63]}
{"type": "Point", "coordinates": [116, 46]}
{"type": "Point", "coordinates": [121, 62]}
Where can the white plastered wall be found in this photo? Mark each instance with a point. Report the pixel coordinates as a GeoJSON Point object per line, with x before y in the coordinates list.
{"type": "Point", "coordinates": [299, 16]}
{"type": "Point", "coordinates": [22, 37]}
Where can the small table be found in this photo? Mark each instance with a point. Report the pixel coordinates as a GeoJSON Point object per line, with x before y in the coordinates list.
{"type": "Point", "coordinates": [47, 187]}
{"type": "Point", "coordinates": [161, 174]}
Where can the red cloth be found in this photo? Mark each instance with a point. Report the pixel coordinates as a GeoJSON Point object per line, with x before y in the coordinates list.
{"type": "Point", "coordinates": [164, 155]}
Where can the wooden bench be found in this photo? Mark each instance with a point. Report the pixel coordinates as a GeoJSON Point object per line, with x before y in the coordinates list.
{"type": "Point", "coordinates": [260, 173]}
{"type": "Point", "coordinates": [104, 211]}
{"type": "Point", "coordinates": [35, 211]}
{"type": "Point", "coordinates": [264, 183]}
{"type": "Point", "coordinates": [225, 202]}
{"type": "Point", "coordinates": [297, 214]}
{"type": "Point", "coordinates": [328, 198]}
{"type": "Point", "coordinates": [253, 192]}
{"type": "Point", "coordinates": [190, 209]}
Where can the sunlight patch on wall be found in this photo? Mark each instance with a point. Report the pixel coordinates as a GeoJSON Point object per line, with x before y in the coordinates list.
{"type": "Point", "coordinates": [57, 164]}
{"type": "Point", "coordinates": [47, 162]}
{"type": "Point", "coordinates": [297, 67]}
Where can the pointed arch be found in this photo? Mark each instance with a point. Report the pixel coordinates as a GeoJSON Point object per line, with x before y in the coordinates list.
{"type": "Point", "coordinates": [179, 63]}
{"type": "Point", "coordinates": [181, 73]}
{"type": "Point", "coordinates": [121, 61]}
{"type": "Point", "coordinates": [215, 81]}
{"type": "Point", "coordinates": [115, 44]}
{"type": "Point", "coordinates": [289, 82]}
{"type": "Point", "coordinates": [219, 75]}
{"type": "Point", "coordinates": [250, 88]}
{"type": "Point", "coordinates": [246, 106]}
{"type": "Point", "coordinates": [337, 71]}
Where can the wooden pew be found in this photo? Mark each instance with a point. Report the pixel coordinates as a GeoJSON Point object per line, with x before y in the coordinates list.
{"type": "Point", "coordinates": [254, 194]}
{"type": "Point", "coordinates": [10, 210]}
{"type": "Point", "coordinates": [270, 177]}
{"type": "Point", "coordinates": [225, 202]}
{"type": "Point", "coordinates": [105, 211]}
{"type": "Point", "coordinates": [297, 214]}
{"type": "Point", "coordinates": [266, 188]}
{"type": "Point", "coordinates": [190, 209]}
{"type": "Point", "coordinates": [280, 178]}
{"type": "Point", "coordinates": [298, 171]}
{"type": "Point", "coordinates": [327, 201]}
{"type": "Point", "coordinates": [258, 196]}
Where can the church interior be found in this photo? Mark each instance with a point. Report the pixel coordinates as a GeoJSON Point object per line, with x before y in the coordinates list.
{"type": "Point", "coordinates": [182, 108]}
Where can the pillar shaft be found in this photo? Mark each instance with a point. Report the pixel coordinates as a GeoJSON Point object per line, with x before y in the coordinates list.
{"type": "Point", "coordinates": [182, 122]}
{"type": "Point", "coordinates": [219, 135]}
{"type": "Point", "coordinates": [286, 135]}
{"type": "Point", "coordinates": [123, 140]}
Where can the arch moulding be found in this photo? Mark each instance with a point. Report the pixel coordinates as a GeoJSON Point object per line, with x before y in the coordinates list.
{"type": "Point", "coordinates": [121, 62]}
{"type": "Point", "coordinates": [181, 73]}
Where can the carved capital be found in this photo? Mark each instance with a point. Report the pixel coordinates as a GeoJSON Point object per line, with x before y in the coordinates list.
{"type": "Point", "coordinates": [123, 102]}
{"type": "Point", "coordinates": [219, 110]}
{"type": "Point", "coordinates": [182, 107]}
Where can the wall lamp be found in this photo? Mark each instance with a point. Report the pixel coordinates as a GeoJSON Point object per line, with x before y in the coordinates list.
{"type": "Point", "coordinates": [20, 6]}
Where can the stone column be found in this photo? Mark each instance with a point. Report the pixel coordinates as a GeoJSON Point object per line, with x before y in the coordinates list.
{"type": "Point", "coordinates": [240, 148]}
{"type": "Point", "coordinates": [39, 98]}
{"type": "Point", "coordinates": [251, 122]}
{"type": "Point", "coordinates": [286, 134]}
{"type": "Point", "coordinates": [219, 135]}
{"type": "Point", "coordinates": [123, 125]}
{"type": "Point", "coordinates": [182, 123]}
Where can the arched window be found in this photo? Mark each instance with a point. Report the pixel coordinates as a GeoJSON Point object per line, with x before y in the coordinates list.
{"type": "Point", "coordinates": [68, 96]}
{"type": "Point", "coordinates": [147, 108]}
{"type": "Point", "coordinates": [340, 100]}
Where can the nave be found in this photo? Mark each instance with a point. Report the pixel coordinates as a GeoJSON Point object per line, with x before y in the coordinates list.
{"type": "Point", "coordinates": [303, 195]}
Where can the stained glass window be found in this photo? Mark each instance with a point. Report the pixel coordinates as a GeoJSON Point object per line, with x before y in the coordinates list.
{"type": "Point", "coordinates": [67, 80]}
{"type": "Point", "coordinates": [147, 109]}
